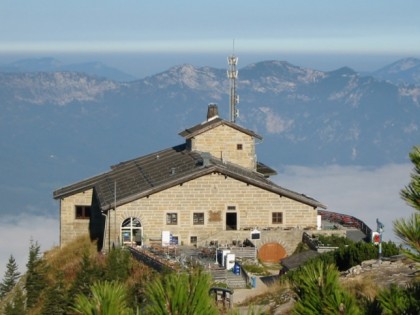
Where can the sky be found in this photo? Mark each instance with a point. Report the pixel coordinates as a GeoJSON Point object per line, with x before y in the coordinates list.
{"type": "Point", "coordinates": [146, 37]}
{"type": "Point", "coordinates": [322, 34]}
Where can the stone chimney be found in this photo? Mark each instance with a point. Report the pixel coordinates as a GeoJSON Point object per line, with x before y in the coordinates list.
{"type": "Point", "coordinates": [212, 112]}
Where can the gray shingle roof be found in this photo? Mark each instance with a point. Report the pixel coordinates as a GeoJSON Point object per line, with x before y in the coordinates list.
{"type": "Point", "coordinates": [155, 172]}
{"type": "Point", "coordinates": [299, 259]}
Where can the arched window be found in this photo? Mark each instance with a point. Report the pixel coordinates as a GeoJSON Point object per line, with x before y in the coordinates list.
{"type": "Point", "coordinates": [131, 232]}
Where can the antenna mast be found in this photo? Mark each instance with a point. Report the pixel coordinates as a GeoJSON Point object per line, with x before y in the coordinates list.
{"type": "Point", "coordinates": [232, 74]}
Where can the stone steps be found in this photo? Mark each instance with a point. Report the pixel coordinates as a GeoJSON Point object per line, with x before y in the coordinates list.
{"type": "Point", "coordinates": [232, 280]}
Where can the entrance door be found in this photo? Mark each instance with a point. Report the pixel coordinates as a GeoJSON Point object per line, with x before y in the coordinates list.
{"type": "Point", "coordinates": [131, 232]}
{"type": "Point", "coordinates": [231, 221]}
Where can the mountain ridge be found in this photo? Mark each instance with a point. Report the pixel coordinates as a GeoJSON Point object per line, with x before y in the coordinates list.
{"type": "Point", "coordinates": [58, 127]}
{"type": "Point", "coordinates": [49, 64]}
{"type": "Point", "coordinates": [403, 71]}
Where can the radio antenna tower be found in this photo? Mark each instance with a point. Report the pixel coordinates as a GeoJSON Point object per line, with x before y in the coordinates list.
{"type": "Point", "coordinates": [232, 74]}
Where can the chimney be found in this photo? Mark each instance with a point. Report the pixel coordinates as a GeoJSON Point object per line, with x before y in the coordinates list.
{"type": "Point", "coordinates": [212, 112]}
{"type": "Point", "coordinates": [206, 156]}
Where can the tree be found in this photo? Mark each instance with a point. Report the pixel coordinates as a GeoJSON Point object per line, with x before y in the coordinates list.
{"type": "Point", "coordinates": [319, 291]}
{"type": "Point", "coordinates": [182, 293]}
{"type": "Point", "coordinates": [397, 300]}
{"type": "Point", "coordinates": [118, 265]}
{"type": "Point", "coordinates": [17, 306]}
{"type": "Point", "coordinates": [11, 277]}
{"type": "Point", "coordinates": [88, 274]}
{"type": "Point", "coordinates": [35, 281]}
{"type": "Point", "coordinates": [107, 298]}
{"type": "Point", "coordinates": [55, 302]}
{"type": "Point", "coordinates": [408, 230]}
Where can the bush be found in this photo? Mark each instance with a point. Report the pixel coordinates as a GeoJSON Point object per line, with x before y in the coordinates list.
{"type": "Point", "coordinates": [181, 294]}
{"type": "Point", "coordinates": [255, 269]}
{"type": "Point", "coordinates": [319, 291]}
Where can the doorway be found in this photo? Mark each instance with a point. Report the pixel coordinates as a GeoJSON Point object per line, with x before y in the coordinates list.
{"type": "Point", "coordinates": [231, 221]}
{"type": "Point", "coordinates": [131, 232]}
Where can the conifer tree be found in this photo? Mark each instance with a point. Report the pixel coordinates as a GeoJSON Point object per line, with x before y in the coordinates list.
{"type": "Point", "coordinates": [17, 306]}
{"type": "Point", "coordinates": [55, 298]}
{"type": "Point", "coordinates": [319, 291]}
{"type": "Point", "coordinates": [408, 230]}
{"type": "Point", "coordinates": [118, 265]}
{"type": "Point", "coordinates": [88, 274]}
{"type": "Point", "coordinates": [35, 281]}
{"type": "Point", "coordinates": [11, 277]}
{"type": "Point", "coordinates": [398, 300]}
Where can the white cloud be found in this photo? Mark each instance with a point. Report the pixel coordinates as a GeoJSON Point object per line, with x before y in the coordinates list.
{"type": "Point", "coordinates": [15, 236]}
{"type": "Point", "coordinates": [366, 193]}
{"type": "Point", "coordinates": [411, 128]}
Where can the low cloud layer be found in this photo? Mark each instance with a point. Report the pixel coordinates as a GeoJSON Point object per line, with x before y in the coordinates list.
{"type": "Point", "coordinates": [16, 234]}
{"type": "Point", "coordinates": [366, 193]}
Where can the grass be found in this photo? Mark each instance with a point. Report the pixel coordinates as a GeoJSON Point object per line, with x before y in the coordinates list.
{"type": "Point", "coordinates": [277, 294]}
{"type": "Point", "coordinates": [362, 287]}
{"type": "Point", "coordinates": [68, 258]}
{"type": "Point", "coordinates": [258, 270]}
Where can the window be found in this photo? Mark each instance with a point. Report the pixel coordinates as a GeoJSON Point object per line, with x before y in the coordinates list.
{"type": "Point", "coordinates": [193, 239]}
{"type": "Point", "coordinates": [174, 240]}
{"type": "Point", "coordinates": [231, 208]}
{"type": "Point", "coordinates": [172, 218]}
{"type": "Point", "coordinates": [198, 218]}
{"type": "Point", "coordinates": [239, 146]}
{"type": "Point", "coordinates": [83, 212]}
{"type": "Point", "coordinates": [131, 232]}
{"type": "Point", "coordinates": [277, 217]}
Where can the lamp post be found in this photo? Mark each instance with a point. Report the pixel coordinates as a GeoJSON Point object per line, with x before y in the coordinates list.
{"type": "Point", "coordinates": [379, 229]}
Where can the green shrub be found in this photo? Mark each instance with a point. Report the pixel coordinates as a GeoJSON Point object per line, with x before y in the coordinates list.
{"type": "Point", "coordinates": [255, 269]}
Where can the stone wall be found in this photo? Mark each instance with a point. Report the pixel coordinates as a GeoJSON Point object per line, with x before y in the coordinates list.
{"type": "Point", "coordinates": [211, 195]}
{"type": "Point", "coordinates": [222, 142]}
{"type": "Point", "coordinates": [70, 227]}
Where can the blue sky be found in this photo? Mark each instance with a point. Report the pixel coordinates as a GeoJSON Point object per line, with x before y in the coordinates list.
{"type": "Point", "coordinates": [376, 28]}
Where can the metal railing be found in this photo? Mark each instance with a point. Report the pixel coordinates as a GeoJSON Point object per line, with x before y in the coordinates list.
{"type": "Point", "coordinates": [346, 221]}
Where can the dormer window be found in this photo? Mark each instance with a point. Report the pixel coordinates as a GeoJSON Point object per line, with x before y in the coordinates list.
{"type": "Point", "coordinates": [239, 146]}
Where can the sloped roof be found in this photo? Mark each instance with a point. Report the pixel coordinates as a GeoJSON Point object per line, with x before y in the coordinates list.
{"type": "Point", "coordinates": [265, 170]}
{"type": "Point", "coordinates": [299, 259]}
{"type": "Point", "coordinates": [212, 123]}
{"type": "Point", "coordinates": [158, 171]}
{"type": "Point", "coordinates": [78, 187]}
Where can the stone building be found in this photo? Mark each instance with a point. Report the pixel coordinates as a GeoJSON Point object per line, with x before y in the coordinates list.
{"type": "Point", "coordinates": [210, 188]}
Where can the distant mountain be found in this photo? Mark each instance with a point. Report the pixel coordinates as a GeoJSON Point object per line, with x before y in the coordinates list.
{"type": "Point", "coordinates": [56, 88]}
{"type": "Point", "coordinates": [405, 71]}
{"type": "Point", "coordinates": [341, 116]}
{"type": "Point", "coordinates": [60, 127]}
{"type": "Point", "coordinates": [48, 64]}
